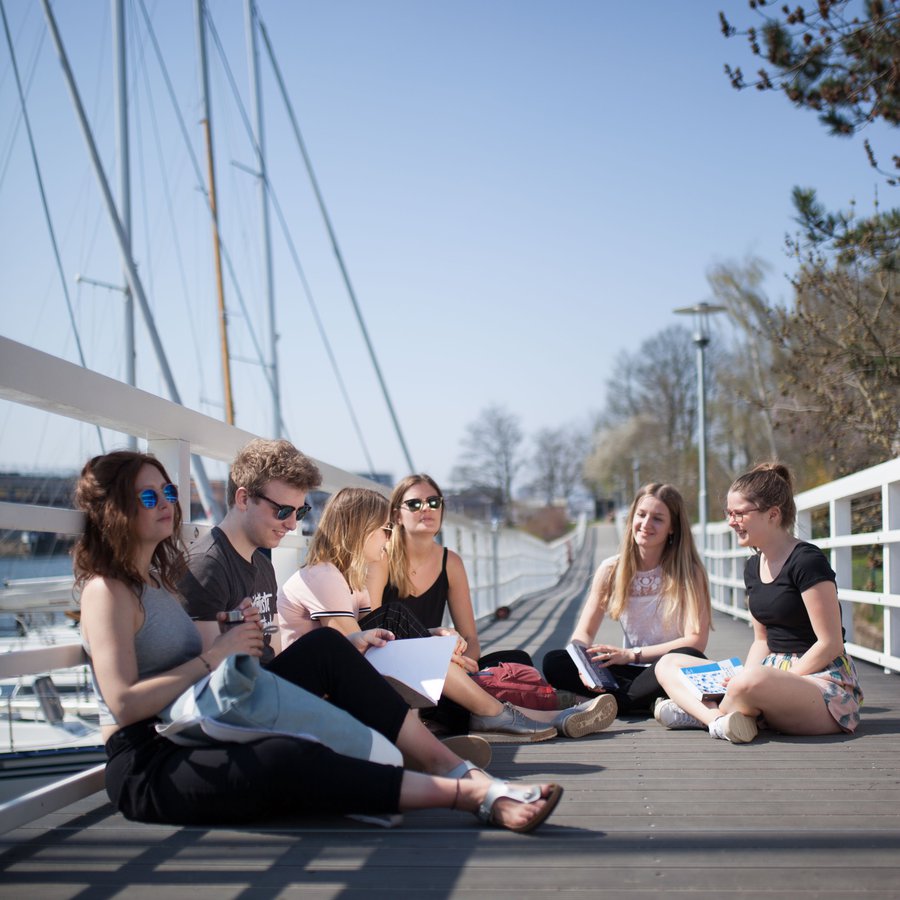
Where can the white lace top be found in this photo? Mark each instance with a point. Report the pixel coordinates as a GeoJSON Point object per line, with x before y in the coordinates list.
{"type": "Point", "coordinates": [642, 620]}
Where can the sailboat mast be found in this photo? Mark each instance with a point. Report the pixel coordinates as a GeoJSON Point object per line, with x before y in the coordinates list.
{"type": "Point", "coordinates": [200, 10]}
{"type": "Point", "coordinates": [263, 182]}
{"type": "Point", "coordinates": [134, 282]}
{"type": "Point", "coordinates": [124, 157]}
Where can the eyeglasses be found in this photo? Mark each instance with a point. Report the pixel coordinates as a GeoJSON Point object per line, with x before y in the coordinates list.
{"type": "Point", "coordinates": [285, 511]}
{"type": "Point", "coordinates": [738, 514]}
{"type": "Point", "coordinates": [149, 498]}
{"type": "Point", "coordinates": [415, 504]}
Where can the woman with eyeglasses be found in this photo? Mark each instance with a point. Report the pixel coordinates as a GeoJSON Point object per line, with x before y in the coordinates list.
{"type": "Point", "coordinates": [656, 588]}
{"type": "Point", "coordinates": [145, 651]}
{"type": "Point", "coordinates": [797, 677]}
{"type": "Point", "coordinates": [421, 579]}
{"type": "Point", "coordinates": [330, 590]}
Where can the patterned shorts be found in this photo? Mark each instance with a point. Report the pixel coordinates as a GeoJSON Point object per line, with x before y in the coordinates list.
{"type": "Point", "coordinates": [838, 683]}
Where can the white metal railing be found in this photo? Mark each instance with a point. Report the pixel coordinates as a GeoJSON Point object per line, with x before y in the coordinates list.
{"type": "Point", "coordinates": [502, 564]}
{"type": "Point", "coordinates": [832, 502]}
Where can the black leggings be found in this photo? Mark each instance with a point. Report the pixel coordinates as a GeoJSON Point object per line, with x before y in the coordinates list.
{"type": "Point", "coordinates": [638, 687]}
{"type": "Point", "coordinates": [151, 779]}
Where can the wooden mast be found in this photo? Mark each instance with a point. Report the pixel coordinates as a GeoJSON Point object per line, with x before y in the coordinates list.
{"type": "Point", "coordinates": [200, 7]}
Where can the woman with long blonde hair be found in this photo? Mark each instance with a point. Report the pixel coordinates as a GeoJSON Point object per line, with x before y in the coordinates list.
{"type": "Point", "coordinates": [656, 588]}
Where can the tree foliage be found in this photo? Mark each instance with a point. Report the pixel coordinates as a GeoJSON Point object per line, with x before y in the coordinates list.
{"type": "Point", "coordinates": [840, 58]}
{"type": "Point", "coordinates": [647, 430]}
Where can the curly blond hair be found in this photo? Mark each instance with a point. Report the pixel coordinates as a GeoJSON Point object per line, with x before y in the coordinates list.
{"type": "Point", "coordinates": [262, 461]}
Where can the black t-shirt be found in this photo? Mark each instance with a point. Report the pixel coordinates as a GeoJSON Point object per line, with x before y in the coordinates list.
{"type": "Point", "coordinates": [218, 578]}
{"type": "Point", "coordinates": [779, 605]}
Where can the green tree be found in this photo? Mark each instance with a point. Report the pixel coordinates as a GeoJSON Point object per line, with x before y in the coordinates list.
{"type": "Point", "coordinates": [837, 57]}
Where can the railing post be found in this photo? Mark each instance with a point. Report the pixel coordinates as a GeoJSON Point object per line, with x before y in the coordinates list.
{"type": "Point", "coordinates": [842, 557]}
{"type": "Point", "coordinates": [175, 455]}
{"type": "Point", "coordinates": [890, 521]}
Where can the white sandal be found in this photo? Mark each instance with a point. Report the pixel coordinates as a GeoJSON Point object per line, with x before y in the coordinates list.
{"type": "Point", "coordinates": [500, 790]}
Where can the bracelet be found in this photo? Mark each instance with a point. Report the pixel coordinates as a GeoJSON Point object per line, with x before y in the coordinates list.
{"type": "Point", "coordinates": [456, 798]}
{"type": "Point", "coordinates": [202, 659]}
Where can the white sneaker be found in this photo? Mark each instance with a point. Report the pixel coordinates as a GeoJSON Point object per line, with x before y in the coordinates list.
{"type": "Point", "coordinates": [667, 712]}
{"type": "Point", "coordinates": [734, 727]}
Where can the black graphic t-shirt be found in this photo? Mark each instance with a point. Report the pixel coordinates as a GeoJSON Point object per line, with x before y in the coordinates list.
{"type": "Point", "coordinates": [219, 578]}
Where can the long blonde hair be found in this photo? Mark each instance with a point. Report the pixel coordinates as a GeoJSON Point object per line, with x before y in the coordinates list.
{"type": "Point", "coordinates": [398, 560]}
{"type": "Point", "coordinates": [349, 517]}
{"type": "Point", "coordinates": [684, 599]}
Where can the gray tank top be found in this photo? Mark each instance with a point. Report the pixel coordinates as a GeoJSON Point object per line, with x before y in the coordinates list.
{"type": "Point", "coordinates": [167, 639]}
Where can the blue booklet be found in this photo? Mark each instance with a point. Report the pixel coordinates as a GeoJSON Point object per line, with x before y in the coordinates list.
{"type": "Point", "coordinates": [707, 680]}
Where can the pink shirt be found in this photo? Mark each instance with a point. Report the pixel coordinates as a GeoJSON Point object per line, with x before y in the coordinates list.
{"type": "Point", "coordinates": [314, 593]}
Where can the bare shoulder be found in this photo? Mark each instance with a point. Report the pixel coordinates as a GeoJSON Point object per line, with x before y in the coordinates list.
{"type": "Point", "coordinates": [455, 567]}
{"type": "Point", "coordinates": [101, 590]}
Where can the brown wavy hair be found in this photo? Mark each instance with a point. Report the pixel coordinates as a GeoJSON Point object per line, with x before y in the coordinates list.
{"type": "Point", "coordinates": [768, 485]}
{"type": "Point", "coordinates": [398, 562]}
{"type": "Point", "coordinates": [105, 493]}
{"type": "Point", "coordinates": [348, 518]}
{"type": "Point", "coordinates": [685, 590]}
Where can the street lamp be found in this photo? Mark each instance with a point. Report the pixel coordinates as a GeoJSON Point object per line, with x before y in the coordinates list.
{"type": "Point", "coordinates": [701, 313]}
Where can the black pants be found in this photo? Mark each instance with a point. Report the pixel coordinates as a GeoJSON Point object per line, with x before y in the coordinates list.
{"type": "Point", "coordinates": [151, 779]}
{"type": "Point", "coordinates": [638, 687]}
{"type": "Point", "coordinates": [448, 714]}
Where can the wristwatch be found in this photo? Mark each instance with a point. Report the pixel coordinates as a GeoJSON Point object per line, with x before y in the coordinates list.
{"type": "Point", "coordinates": [637, 653]}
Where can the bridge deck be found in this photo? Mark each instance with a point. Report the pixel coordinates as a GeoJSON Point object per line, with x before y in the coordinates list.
{"type": "Point", "coordinates": [646, 813]}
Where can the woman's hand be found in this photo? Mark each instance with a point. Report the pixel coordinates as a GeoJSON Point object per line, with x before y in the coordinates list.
{"type": "Point", "coordinates": [373, 637]}
{"type": "Point", "coordinates": [606, 655]}
{"type": "Point", "coordinates": [461, 643]}
{"type": "Point", "coordinates": [466, 663]}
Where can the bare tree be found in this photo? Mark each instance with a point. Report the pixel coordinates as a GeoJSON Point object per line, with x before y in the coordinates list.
{"type": "Point", "coordinates": [557, 462]}
{"type": "Point", "coordinates": [491, 455]}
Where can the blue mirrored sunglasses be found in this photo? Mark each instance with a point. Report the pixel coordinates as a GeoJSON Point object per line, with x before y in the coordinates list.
{"type": "Point", "coordinates": [149, 497]}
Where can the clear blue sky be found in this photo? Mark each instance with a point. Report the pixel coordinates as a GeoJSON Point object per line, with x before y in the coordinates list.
{"type": "Point", "coordinates": [522, 190]}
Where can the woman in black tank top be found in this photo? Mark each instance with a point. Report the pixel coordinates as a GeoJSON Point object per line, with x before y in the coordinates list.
{"type": "Point", "coordinates": [426, 578]}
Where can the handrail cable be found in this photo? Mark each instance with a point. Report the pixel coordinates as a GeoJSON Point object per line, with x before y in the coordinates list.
{"type": "Point", "coordinates": [333, 237]}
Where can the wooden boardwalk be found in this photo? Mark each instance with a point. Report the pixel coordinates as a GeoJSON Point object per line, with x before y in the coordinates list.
{"type": "Point", "coordinates": [647, 813]}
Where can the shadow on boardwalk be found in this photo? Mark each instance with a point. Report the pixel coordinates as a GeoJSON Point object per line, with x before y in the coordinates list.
{"type": "Point", "coordinates": [647, 813]}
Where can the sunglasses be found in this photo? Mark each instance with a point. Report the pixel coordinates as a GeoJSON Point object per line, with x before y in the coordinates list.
{"type": "Point", "coordinates": [150, 498]}
{"type": "Point", "coordinates": [415, 504]}
{"type": "Point", "coordinates": [283, 511]}
{"type": "Point", "coordinates": [387, 529]}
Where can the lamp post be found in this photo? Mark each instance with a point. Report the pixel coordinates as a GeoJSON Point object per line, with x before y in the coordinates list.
{"type": "Point", "coordinates": [701, 313]}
